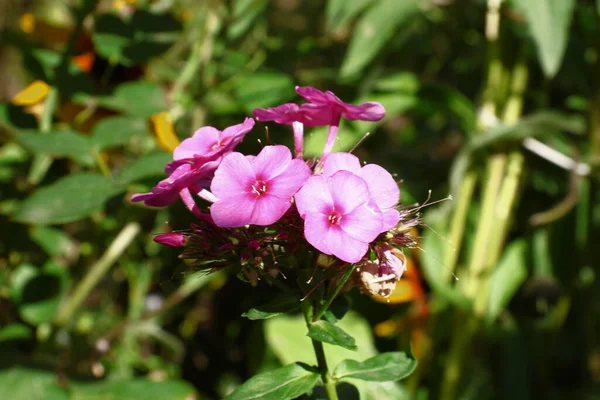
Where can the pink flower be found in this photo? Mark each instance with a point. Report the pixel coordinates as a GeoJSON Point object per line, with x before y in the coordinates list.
{"type": "Point", "coordinates": [327, 106]}
{"type": "Point", "coordinates": [383, 189]}
{"type": "Point", "coordinates": [208, 144]}
{"type": "Point", "coordinates": [256, 190]}
{"type": "Point", "coordinates": [297, 116]}
{"type": "Point", "coordinates": [338, 218]}
{"type": "Point", "coordinates": [182, 178]}
{"type": "Point", "coordinates": [171, 239]}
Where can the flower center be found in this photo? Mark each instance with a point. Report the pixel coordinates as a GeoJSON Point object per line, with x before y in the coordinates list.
{"type": "Point", "coordinates": [334, 218]}
{"type": "Point", "coordinates": [216, 145]}
{"type": "Point", "coordinates": [259, 188]}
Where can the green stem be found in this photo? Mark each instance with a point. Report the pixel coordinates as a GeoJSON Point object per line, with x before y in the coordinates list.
{"type": "Point", "coordinates": [328, 382]}
{"type": "Point", "coordinates": [334, 294]}
{"type": "Point", "coordinates": [96, 272]}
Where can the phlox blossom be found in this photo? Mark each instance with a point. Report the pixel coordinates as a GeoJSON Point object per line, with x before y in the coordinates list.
{"type": "Point", "coordinates": [338, 218]}
{"type": "Point", "coordinates": [256, 190]}
{"type": "Point", "coordinates": [383, 189]}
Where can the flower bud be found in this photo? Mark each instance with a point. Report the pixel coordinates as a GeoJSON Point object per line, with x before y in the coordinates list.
{"type": "Point", "coordinates": [171, 239]}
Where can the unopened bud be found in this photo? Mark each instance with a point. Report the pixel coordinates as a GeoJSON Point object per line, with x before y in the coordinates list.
{"type": "Point", "coordinates": [171, 239]}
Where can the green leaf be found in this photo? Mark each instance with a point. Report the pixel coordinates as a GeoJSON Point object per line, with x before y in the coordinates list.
{"type": "Point", "coordinates": [15, 332]}
{"type": "Point", "coordinates": [326, 332]}
{"type": "Point", "coordinates": [374, 29]}
{"type": "Point", "coordinates": [55, 242]}
{"type": "Point", "coordinates": [151, 165]}
{"type": "Point", "coordinates": [549, 22]}
{"type": "Point", "coordinates": [111, 36]}
{"type": "Point", "coordinates": [38, 292]}
{"type": "Point", "coordinates": [245, 12]}
{"type": "Point", "coordinates": [133, 390]}
{"type": "Point", "coordinates": [286, 337]}
{"type": "Point", "coordinates": [340, 12]}
{"type": "Point", "coordinates": [59, 143]}
{"type": "Point", "coordinates": [507, 278]}
{"type": "Point", "coordinates": [118, 131]}
{"type": "Point", "coordinates": [283, 383]}
{"type": "Point", "coordinates": [29, 384]}
{"type": "Point", "coordinates": [279, 305]}
{"type": "Point", "coordinates": [381, 368]}
{"type": "Point", "coordinates": [263, 89]}
{"type": "Point", "coordinates": [139, 98]}
{"type": "Point", "coordinates": [68, 199]}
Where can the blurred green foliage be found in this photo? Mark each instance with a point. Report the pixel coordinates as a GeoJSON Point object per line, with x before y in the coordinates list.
{"type": "Point", "coordinates": [495, 102]}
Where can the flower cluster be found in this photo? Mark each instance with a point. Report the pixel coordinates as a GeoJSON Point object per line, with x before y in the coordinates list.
{"type": "Point", "coordinates": [275, 208]}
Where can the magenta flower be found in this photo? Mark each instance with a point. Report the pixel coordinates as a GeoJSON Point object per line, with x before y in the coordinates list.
{"type": "Point", "coordinates": [383, 189]}
{"type": "Point", "coordinates": [339, 219]}
{"type": "Point", "coordinates": [182, 178]}
{"type": "Point", "coordinates": [332, 109]}
{"type": "Point", "coordinates": [256, 190]}
{"type": "Point", "coordinates": [208, 144]}
{"type": "Point", "coordinates": [297, 116]}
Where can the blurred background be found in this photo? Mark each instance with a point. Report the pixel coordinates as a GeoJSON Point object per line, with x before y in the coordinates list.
{"type": "Point", "coordinates": [496, 103]}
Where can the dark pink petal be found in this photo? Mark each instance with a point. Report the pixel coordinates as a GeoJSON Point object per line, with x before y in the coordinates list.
{"type": "Point", "coordinates": [268, 209]}
{"type": "Point", "coordinates": [363, 224]}
{"type": "Point", "coordinates": [283, 114]}
{"type": "Point", "coordinates": [317, 115]}
{"type": "Point", "coordinates": [291, 180]}
{"type": "Point", "coordinates": [232, 212]}
{"type": "Point", "coordinates": [233, 135]}
{"type": "Point", "coordinates": [316, 227]}
{"type": "Point", "coordinates": [371, 111]}
{"type": "Point", "coordinates": [313, 95]}
{"type": "Point", "coordinates": [348, 191]}
{"type": "Point", "coordinates": [233, 177]}
{"type": "Point", "coordinates": [167, 190]}
{"type": "Point", "coordinates": [171, 239]}
{"type": "Point", "coordinates": [314, 197]}
{"type": "Point", "coordinates": [382, 186]}
{"type": "Point", "coordinates": [342, 162]}
{"type": "Point", "coordinates": [199, 145]}
{"type": "Point", "coordinates": [271, 162]}
{"type": "Point", "coordinates": [345, 247]}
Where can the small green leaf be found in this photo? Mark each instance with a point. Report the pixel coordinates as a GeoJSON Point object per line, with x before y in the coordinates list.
{"type": "Point", "coordinates": [55, 242]}
{"type": "Point", "coordinates": [15, 332]}
{"type": "Point", "coordinates": [133, 390]}
{"type": "Point", "coordinates": [140, 99]}
{"type": "Point", "coordinates": [507, 278]}
{"type": "Point", "coordinates": [111, 36]}
{"type": "Point", "coordinates": [151, 165]}
{"type": "Point", "coordinates": [381, 368]}
{"type": "Point", "coordinates": [69, 199]}
{"type": "Point", "coordinates": [118, 131]}
{"type": "Point", "coordinates": [373, 30]}
{"type": "Point", "coordinates": [549, 22]}
{"type": "Point", "coordinates": [280, 305]}
{"type": "Point", "coordinates": [29, 384]}
{"type": "Point", "coordinates": [263, 89]}
{"type": "Point", "coordinates": [59, 143]}
{"type": "Point", "coordinates": [283, 383]}
{"type": "Point", "coordinates": [326, 332]}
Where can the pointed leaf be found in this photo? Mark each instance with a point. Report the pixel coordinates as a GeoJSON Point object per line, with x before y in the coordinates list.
{"type": "Point", "coordinates": [69, 199]}
{"type": "Point", "coordinates": [140, 99]}
{"type": "Point", "coordinates": [326, 332]}
{"type": "Point", "coordinates": [283, 383]}
{"type": "Point", "coordinates": [61, 143]}
{"type": "Point", "coordinates": [549, 22]}
{"type": "Point", "coordinates": [118, 131]}
{"type": "Point", "coordinates": [279, 305]}
{"type": "Point", "coordinates": [151, 165]}
{"type": "Point", "coordinates": [381, 368]}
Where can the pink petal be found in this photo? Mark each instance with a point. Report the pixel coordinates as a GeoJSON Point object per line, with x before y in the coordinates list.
{"type": "Point", "coordinates": [348, 191]}
{"type": "Point", "coordinates": [233, 135]}
{"type": "Point", "coordinates": [268, 209]}
{"type": "Point", "coordinates": [233, 177]}
{"type": "Point", "coordinates": [232, 212]}
{"type": "Point", "coordinates": [342, 162]}
{"type": "Point", "coordinates": [271, 162]}
{"type": "Point", "coordinates": [345, 247]}
{"type": "Point", "coordinates": [316, 115]}
{"type": "Point", "coordinates": [391, 217]}
{"type": "Point", "coordinates": [382, 186]}
{"type": "Point", "coordinates": [287, 183]}
{"type": "Point", "coordinates": [171, 239]}
{"type": "Point", "coordinates": [363, 224]}
{"type": "Point", "coordinates": [284, 114]}
{"type": "Point", "coordinates": [371, 111]}
{"type": "Point", "coordinates": [316, 227]}
{"type": "Point", "coordinates": [314, 197]}
{"type": "Point", "coordinates": [200, 144]}
{"type": "Point", "coordinates": [311, 94]}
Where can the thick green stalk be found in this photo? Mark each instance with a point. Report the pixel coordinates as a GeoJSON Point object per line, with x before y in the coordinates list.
{"type": "Point", "coordinates": [96, 272]}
